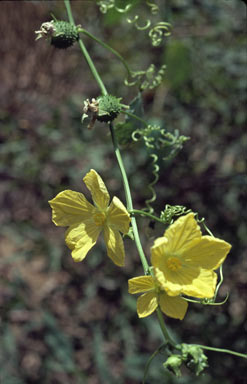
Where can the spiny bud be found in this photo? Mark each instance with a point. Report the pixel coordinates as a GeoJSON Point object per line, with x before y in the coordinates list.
{"type": "Point", "coordinates": [104, 108]}
{"type": "Point", "coordinates": [109, 107]}
{"type": "Point", "coordinates": [61, 33]}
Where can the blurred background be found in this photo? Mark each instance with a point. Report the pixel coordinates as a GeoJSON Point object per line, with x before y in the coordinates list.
{"type": "Point", "coordinates": [70, 323]}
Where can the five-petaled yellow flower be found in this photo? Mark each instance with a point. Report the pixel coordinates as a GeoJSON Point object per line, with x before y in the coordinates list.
{"type": "Point", "coordinates": [86, 221]}
{"type": "Point", "coordinates": [188, 259]}
{"type": "Point", "coordinates": [154, 295]}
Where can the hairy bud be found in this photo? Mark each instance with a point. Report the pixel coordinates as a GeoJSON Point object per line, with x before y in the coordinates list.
{"type": "Point", "coordinates": [61, 33]}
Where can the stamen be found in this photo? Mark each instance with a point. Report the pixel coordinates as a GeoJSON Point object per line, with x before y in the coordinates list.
{"type": "Point", "coordinates": [173, 263]}
{"type": "Point", "coordinates": [99, 218]}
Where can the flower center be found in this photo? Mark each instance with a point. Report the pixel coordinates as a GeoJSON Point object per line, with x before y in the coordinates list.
{"type": "Point", "coordinates": [173, 263]}
{"type": "Point", "coordinates": [99, 218]}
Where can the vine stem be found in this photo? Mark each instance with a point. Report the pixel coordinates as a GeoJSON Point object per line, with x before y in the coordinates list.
{"type": "Point", "coordinates": [164, 329]}
{"type": "Point", "coordinates": [135, 117]}
{"type": "Point", "coordinates": [244, 355]}
{"type": "Point", "coordinates": [129, 201]}
{"type": "Point", "coordinates": [123, 172]}
{"type": "Point", "coordinates": [144, 213]}
{"type": "Point", "coordinates": [82, 30]}
{"type": "Point", "coordinates": [85, 52]}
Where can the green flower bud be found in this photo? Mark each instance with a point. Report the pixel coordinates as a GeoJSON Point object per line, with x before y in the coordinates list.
{"type": "Point", "coordinates": [194, 358]}
{"type": "Point", "coordinates": [173, 364]}
{"type": "Point", "coordinates": [61, 33]}
{"type": "Point", "coordinates": [109, 107]}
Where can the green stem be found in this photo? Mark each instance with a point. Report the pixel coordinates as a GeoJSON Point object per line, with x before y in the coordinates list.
{"type": "Point", "coordinates": [244, 355]}
{"type": "Point", "coordinates": [129, 201]}
{"type": "Point", "coordinates": [143, 213]}
{"type": "Point", "coordinates": [149, 362]}
{"type": "Point", "coordinates": [85, 52]}
{"type": "Point", "coordinates": [164, 330]}
{"type": "Point", "coordinates": [135, 117]}
{"type": "Point", "coordinates": [123, 172]}
{"type": "Point", "coordinates": [112, 50]}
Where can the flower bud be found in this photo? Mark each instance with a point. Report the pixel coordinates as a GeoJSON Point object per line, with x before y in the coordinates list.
{"type": "Point", "coordinates": [173, 364]}
{"type": "Point", "coordinates": [61, 33]}
{"type": "Point", "coordinates": [194, 358]}
{"type": "Point", "coordinates": [109, 108]}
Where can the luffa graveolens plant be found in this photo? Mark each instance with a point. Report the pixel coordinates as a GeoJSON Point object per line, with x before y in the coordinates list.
{"type": "Point", "coordinates": [183, 261]}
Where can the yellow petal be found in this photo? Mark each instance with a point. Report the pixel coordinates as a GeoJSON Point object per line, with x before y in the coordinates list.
{"type": "Point", "coordinates": [141, 284]}
{"type": "Point", "coordinates": [195, 282]}
{"type": "Point", "coordinates": [98, 189]}
{"type": "Point", "coordinates": [118, 216]}
{"type": "Point", "coordinates": [160, 240]}
{"type": "Point", "coordinates": [203, 286]}
{"type": "Point", "coordinates": [146, 304]}
{"type": "Point", "coordinates": [209, 253]}
{"type": "Point", "coordinates": [159, 253]}
{"type": "Point", "coordinates": [81, 238]}
{"type": "Point", "coordinates": [114, 244]}
{"type": "Point", "coordinates": [175, 307]}
{"type": "Point", "coordinates": [160, 278]}
{"type": "Point", "coordinates": [181, 233]}
{"type": "Point", "coordinates": [69, 208]}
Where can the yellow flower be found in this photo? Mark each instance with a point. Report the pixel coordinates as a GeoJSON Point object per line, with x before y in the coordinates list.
{"type": "Point", "coordinates": [155, 295]}
{"type": "Point", "coordinates": [188, 259]}
{"type": "Point", "coordinates": [86, 221]}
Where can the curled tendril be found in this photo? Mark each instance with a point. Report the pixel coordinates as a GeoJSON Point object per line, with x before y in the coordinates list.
{"type": "Point", "coordinates": [151, 185]}
{"type": "Point", "coordinates": [156, 138]}
{"type": "Point", "coordinates": [105, 5]}
{"type": "Point", "coordinates": [148, 79]}
{"type": "Point", "coordinates": [145, 134]}
{"type": "Point", "coordinates": [161, 29]}
{"type": "Point", "coordinates": [154, 7]}
{"type": "Point", "coordinates": [173, 210]}
{"type": "Point", "coordinates": [139, 27]}
{"type": "Point", "coordinates": [124, 10]}
{"type": "Point", "coordinates": [174, 141]}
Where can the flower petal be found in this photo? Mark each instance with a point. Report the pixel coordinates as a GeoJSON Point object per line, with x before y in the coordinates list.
{"type": "Point", "coordinates": [141, 284]}
{"type": "Point", "coordinates": [114, 244]}
{"type": "Point", "coordinates": [69, 208]}
{"type": "Point", "coordinates": [181, 233]}
{"type": "Point", "coordinates": [160, 240]}
{"type": "Point", "coordinates": [197, 283]}
{"type": "Point", "coordinates": [97, 188]}
{"type": "Point", "coordinates": [81, 238]}
{"type": "Point", "coordinates": [146, 304]}
{"type": "Point", "coordinates": [160, 277]}
{"type": "Point", "coordinates": [118, 216]}
{"type": "Point", "coordinates": [159, 253]}
{"type": "Point", "coordinates": [175, 307]}
{"type": "Point", "coordinates": [203, 286]}
{"type": "Point", "coordinates": [209, 253]}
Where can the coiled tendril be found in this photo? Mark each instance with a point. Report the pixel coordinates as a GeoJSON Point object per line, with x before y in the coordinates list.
{"type": "Point", "coordinates": [158, 32]}
{"type": "Point", "coordinates": [105, 5]}
{"type": "Point", "coordinates": [148, 79]}
{"type": "Point", "coordinates": [154, 7]}
{"type": "Point", "coordinates": [156, 138]}
{"type": "Point", "coordinates": [151, 185]}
